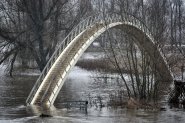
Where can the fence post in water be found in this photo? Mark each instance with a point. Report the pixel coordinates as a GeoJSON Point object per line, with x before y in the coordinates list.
{"type": "Point", "coordinates": [86, 103]}
{"type": "Point", "coordinates": [182, 71]}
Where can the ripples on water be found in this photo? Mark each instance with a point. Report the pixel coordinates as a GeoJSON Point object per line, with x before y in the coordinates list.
{"type": "Point", "coordinates": [13, 93]}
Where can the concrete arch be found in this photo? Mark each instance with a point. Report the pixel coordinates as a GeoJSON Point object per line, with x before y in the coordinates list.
{"type": "Point", "coordinates": [45, 92]}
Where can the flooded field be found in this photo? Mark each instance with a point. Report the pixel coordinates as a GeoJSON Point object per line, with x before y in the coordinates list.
{"type": "Point", "coordinates": [80, 83]}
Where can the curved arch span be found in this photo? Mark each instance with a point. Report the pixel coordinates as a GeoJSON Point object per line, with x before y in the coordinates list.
{"type": "Point", "coordinates": [65, 57]}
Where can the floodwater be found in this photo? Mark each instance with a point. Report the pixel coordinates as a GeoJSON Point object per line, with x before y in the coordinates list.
{"type": "Point", "coordinates": [80, 85]}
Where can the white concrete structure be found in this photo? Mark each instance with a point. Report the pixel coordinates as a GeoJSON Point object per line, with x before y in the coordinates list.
{"type": "Point", "coordinates": [73, 46]}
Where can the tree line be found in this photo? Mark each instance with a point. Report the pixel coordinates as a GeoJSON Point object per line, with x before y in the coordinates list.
{"type": "Point", "coordinates": [30, 30]}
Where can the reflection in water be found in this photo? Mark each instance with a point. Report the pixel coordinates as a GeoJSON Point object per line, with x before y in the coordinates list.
{"type": "Point", "coordinates": [13, 93]}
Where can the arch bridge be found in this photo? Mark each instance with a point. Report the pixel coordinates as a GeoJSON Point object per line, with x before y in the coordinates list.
{"type": "Point", "coordinates": [78, 40]}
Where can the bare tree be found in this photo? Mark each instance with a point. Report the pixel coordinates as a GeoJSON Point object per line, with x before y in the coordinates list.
{"type": "Point", "coordinates": [31, 29]}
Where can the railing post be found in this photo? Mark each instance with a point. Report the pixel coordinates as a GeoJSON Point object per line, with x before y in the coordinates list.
{"type": "Point", "coordinates": [90, 21]}
{"type": "Point", "coordinates": [75, 30]}
{"type": "Point", "coordinates": [68, 39]}
{"type": "Point", "coordinates": [79, 29]}
{"type": "Point", "coordinates": [86, 23]}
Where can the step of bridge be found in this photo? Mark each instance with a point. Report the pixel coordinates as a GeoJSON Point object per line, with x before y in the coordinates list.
{"type": "Point", "coordinates": [62, 68]}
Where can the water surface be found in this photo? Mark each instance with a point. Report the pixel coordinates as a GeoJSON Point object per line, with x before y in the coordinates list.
{"type": "Point", "coordinates": [80, 84]}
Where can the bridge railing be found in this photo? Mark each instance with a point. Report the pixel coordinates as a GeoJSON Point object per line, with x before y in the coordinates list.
{"type": "Point", "coordinates": [80, 28]}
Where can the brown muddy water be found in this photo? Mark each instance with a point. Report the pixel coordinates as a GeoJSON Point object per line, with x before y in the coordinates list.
{"type": "Point", "coordinates": [80, 85]}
